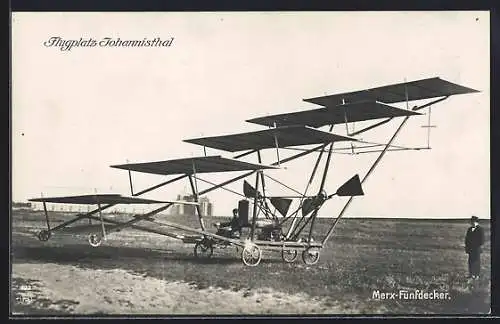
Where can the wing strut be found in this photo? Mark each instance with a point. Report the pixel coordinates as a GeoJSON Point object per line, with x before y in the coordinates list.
{"type": "Point", "coordinates": [46, 214]}
{"type": "Point", "coordinates": [429, 126]}
{"type": "Point", "coordinates": [406, 95]}
{"type": "Point", "coordinates": [277, 146]}
{"type": "Point", "coordinates": [347, 125]}
{"type": "Point", "coordinates": [256, 197]}
{"type": "Point", "coordinates": [263, 183]}
{"type": "Point", "coordinates": [130, 181]}
{"type": "Point", "coordinates": [294, 224]}
{"type": "Point", "coordinates": [330, 231]}
{"type": "Point", "coordinates": [416, 108]}
{"type": "Point", "coordinates": [194, 187]}
{"type": "Point", "coordinates": [100, 215]}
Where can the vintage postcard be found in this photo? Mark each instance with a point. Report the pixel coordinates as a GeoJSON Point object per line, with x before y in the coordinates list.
{"type": "Point", "coordinates": [250, 163]}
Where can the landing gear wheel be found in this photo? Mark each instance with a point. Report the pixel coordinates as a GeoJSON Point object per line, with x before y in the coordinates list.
{"type": "Point", "coordinates": [310, 255]}
{"type": "Point", "coordinates": [43, 235]}
{"type": "Point", "coordinates": [203, 249]}
{"type": "Point", "coordinates": [95, 240]}
{"type": "Point", "coordinates": [289, 255]}
{"type": "Point", "coordinates": [251, 255]}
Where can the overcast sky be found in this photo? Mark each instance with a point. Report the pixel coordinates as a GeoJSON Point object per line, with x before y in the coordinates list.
{"type": "Point", "coordinates": [76, 112]}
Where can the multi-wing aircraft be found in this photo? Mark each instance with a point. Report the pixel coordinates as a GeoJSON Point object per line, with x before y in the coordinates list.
{"type": "Point", "coordinates": [266, 221]}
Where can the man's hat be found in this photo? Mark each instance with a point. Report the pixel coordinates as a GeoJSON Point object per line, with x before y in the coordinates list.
{"type": "Point", "coordinates": [474, 218]}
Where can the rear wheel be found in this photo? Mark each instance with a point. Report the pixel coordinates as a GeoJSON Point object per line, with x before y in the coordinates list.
{"type": "Point", "coordinates": [251, 255]}
{"type": "Point", "coordinates": [203, 249]}
{"type": "Point", "coordinates": [310, 255]}
{"type": "Point", "coordinates": [95, 240]}
{"type": "Point", "coordinates": [43, 235]}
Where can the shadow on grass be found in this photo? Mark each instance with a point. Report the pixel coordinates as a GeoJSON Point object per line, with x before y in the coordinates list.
{"type": "Point", "coordinates": [80, 254]}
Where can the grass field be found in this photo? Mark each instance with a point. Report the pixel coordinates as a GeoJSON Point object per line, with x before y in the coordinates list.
{"type": "Point", "coordinates": [363, 256]}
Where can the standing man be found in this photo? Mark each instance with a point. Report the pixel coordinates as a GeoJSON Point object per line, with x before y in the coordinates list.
{"type": "Point", "coordinates": [474, 239]}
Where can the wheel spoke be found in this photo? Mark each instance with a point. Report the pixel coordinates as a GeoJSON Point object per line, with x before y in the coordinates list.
{"type": "Point", "coordinates": [203, 249]}
{"type": "Point", "coordinates": [95, 240]}
{"type": "Point", "coordinates": [251, 255]}
{"type": "Point", "coordinates": [310, 255]}
{"type": "Point", "coordinates": [289, 255]}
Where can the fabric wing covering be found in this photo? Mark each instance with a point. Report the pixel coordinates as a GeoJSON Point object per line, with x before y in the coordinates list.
{"type": "Point", "coordinates": [203, 164]}
{"type": "Point", "coordinates": [281, 204]}
{"type": "Point", "coordinates": [352, 112]}
{"type": "Point", "coordinates": [97, 199]}
{"type": "Point", "coordinates": [269, 138]}
{"type": "Point", "coordinates": [400, 92]}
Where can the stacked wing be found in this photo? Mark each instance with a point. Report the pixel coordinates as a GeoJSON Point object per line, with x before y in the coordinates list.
{"type": "Point", "coordinates": [106, 199]}
{"type": "Point", "coordinates": [352, 112]}
{"type": "Point", "coordinates": [366, 104]}
{"type": "Point", "coordinates": [400, 92]}
{"type": "Point", "coordinates": [279, 137]}
{"type": "Point", "coordinates": [202, 164]}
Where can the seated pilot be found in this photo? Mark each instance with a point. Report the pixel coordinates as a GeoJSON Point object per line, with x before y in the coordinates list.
{"type": "Point", "coordinates": [231, 228]}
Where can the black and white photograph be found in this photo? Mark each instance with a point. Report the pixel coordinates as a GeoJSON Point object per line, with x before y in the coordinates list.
{"type": "Point", "coordinates": [250, 163]}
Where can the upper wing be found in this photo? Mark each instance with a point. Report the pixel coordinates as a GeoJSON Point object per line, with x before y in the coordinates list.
{"type": "Point", "coordinates": [399, 92]}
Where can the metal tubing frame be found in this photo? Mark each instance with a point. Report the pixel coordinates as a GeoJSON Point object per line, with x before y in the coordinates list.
{"type": "Point", "coordinates": [201, 232]}
{"type": "Point", "coordinates": [244, 154]}
{"type": "Point", "coordinates": [194, 188]}
{"type": "Point", "coordinates": [392, 150]}
{"type": "Point", "coordinates": [295, 217]}
{"type": "Point", "coordinates": [170, 224]}
{"type": "Point", "coordinates": [98, 210]}
{"type": "Point", "coordinates": [102, 222]}
{"type": "Point", "coordinates": [320, 147]}
{"type": "Point", "coordinates": [252, 172]}
{"type": "Point", "coordinates": [416, 108]}
{"type": "Point", "coordinates": [263, 183]}
{"type": "Point", "coordinates": [296, 233]}
{"type": "Point", "coordinates": [371, 127]}
{"type": "Point", "coordinates": [138, 218]}
{"type": "Point", "coordinates": [46, 215]}
{"type": "Point", "coordinates": [142, 228]}
{"type": "Point", "coordinates": [130, 181]}
{"type": "Point", "coordinates": [222, 187]}
{"type": "Point", "coordinates": [268, 245]}
{"type": "Point", "coordinates": [284, 185]}
{"type": "Point", "coordinates": [330, 231]}
{"type": "Point", "coordinates": [321, 188]}
{"type": "Point", "coordinates": [292, 226]}
{"type": "Point", "coordinates": [156, 211]}
{"type": "Point", "coordinates": [254, 216]}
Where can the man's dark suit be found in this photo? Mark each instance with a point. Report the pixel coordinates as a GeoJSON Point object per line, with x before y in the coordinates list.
{"type": "Point", "coordinates": [474, 239]}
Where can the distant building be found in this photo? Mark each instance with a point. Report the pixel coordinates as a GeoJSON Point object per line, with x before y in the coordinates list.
{"type": "Point", "coordinates": [21, 205]}
{"type": "Point", "coordinates": [206, 206]}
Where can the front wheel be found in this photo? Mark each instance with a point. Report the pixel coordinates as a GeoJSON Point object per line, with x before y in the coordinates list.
{"type": "Point", "coordinates": [95, 240]}
{"type": "Point", "coordinates": [251, 255]}
{"type": "Point", "coordinates": [203, 249]}
{"type": "Point", "coordinates": [310, 255]}
{"type": "Point", "coordinates": [43, 235]}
